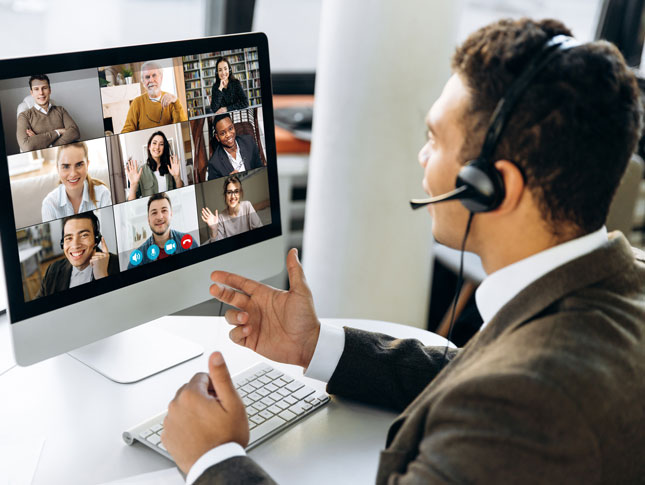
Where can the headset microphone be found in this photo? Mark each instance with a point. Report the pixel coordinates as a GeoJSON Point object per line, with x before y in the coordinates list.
{"type": "Point", "coordinates": [459, 193]}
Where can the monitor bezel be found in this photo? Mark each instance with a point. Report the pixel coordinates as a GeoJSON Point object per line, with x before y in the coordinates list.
{"type": "Point", "coordinates": [20, 310]}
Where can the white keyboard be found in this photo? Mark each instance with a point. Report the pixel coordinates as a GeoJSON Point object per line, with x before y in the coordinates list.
{"type": "Point", "coordinates": [273, 402]}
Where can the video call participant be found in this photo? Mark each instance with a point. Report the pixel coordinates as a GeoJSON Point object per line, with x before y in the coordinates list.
{"type": "Point", "coordinates": [155, 107]}
{"type": "Point", "coordinates": [240, 216]}
{"type": "Point", "coordinates": [78, 191]}
{"type": "Point", "coordinates": [234, 153]}
{"type": "Point", "coordinates": [227, 93]}
{"type": "Point", "coordinates": [160, 173]}
{"type": "Point", "coordinates": [159, 219]}
{"type": "Point", "coordinates": [44, 125]}
{"type": "Point", "coordinates": [86, 256]}
{"type": "Point", "coordinates": [551, 389]}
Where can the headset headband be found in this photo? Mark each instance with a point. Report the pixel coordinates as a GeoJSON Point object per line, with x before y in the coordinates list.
{"type": "Point", "coordinates": [505, 105]}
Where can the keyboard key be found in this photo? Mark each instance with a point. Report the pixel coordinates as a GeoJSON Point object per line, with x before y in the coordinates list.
{"type": "Point", "coordinates": [294, 386]}
{"type": "Point", "coordinates": [265, 428]}
{"type": "Point", "coordinates": [247, 402]}
{"type": "Point", "coordinates": [276, 396]}
{"type": "Point", "coordinates": [298, 408]}
{"type": "Point", "coordinates": [154, 439]}
{"type": "Point", "coordinates": [275, 409]}
{"type": "Point", "coordinates": [251, 411]}
{"type": "Point", "coordinates": [282, 404]}
{"type": "Point", "coordinates": [247, 388]}
{"type": "Point", "coordinates": [274, 374]}
{"type": "Point", "coordinates": [313, 402]}
{"type": "Point", "coordinates": [254, 396]}
{"type": "Point", "coordinates": [266, 414]}
{"type": "Point", "coordinates": [286, 378]}
{"type": "Point", "coordinates": [290, 400]}
{"type": "Point", "coordinates": [259, 406]}
{"type": "Point", "coordinates": [306, 406]}
{"type": "Point", "coordinates": [322, 397]}
{"type": "Point", "coordinates": [284, 392]}
{"type": "Point", "coordinates": [271, 388]}
{"type": "Point", "coordinates": [279, 382]}
{"type": "Point", "coordinates": [310, 399]}
{"type": "Point", "coordinates": [287, 415]}
{"type": "Point", "coordinates": [241, 382]}
{"type": "Point", "coordinates": [256, 384]}
{"type": "Point", "coordinates": [145, 433]}
{"type": "Point", "coordinates": [258, 419]}
{"type": "Point", "coordinates": [303, 392]}
{"type": "Point", "coordinates": [268, 401]}
{"type": "Point", "coordinates": [156, 427]}
{"type": "Point", "coordinates": [241, 393]}
{"type": "Point", "coordinates": [267, 368]}
{"type": "Point", "coordinates": [260, 373]}
{"type": "Point", "coordinates": [252, 425]}
{"type": "Point", "coordinates": [264, 380]}
{"type": "Point", "coordinates": [262, 392]}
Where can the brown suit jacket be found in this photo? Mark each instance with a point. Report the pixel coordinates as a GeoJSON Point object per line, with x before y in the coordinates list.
{"type": "Point", "coordinates": [551, 391]}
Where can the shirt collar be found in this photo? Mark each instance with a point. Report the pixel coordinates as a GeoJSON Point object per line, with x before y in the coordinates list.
{"type": "Point", "coordinates": [63, 200]}
{"type": "Point", "coordinates": [503, 285]}
{"type": "Point", "coordinates": [39, 108]}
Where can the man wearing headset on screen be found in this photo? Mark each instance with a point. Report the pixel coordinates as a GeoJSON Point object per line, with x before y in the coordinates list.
{"type": "Point", "coordinates": [536, 130]}
{"type": "Point", "coordinates": [86, 256]}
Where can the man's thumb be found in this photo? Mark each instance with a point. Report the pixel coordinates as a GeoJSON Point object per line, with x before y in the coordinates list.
{"type": "Point", "coordinates": [220, 377]}
{"type": "Point", "coordinates": [295, 271]}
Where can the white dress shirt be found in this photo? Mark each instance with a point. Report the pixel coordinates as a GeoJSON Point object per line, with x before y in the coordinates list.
{"type": "Point", "coordinates": [237, 162]}
{"type": "Point", "coordinates": [57, 205]}
{"type": "Point", "coordinates": [495, 291]}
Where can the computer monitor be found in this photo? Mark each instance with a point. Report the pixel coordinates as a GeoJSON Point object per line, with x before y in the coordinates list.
{"type": "Point", "coordinates": [129, 175]}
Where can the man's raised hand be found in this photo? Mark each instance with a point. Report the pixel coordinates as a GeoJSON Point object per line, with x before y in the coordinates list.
{"type": "Point", "coordinates": [281, 325]}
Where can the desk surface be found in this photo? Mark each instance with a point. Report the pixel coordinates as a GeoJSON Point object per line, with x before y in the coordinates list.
{"type": "Point", "coordinates": [82, 415]}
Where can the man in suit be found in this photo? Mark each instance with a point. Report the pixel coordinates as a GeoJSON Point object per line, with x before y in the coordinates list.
{"type": "Point", "coordinates": [234, 153]}
{"type": "Point", "coordinates": [86, 256]}
{"type": "Point", "coordinates": [551, 389]}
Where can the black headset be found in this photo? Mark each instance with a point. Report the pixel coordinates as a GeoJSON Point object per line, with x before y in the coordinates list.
{"type": "Point", "coordinates": [96, 226]}
{"type": "Point", "coordinates": [479, 185]}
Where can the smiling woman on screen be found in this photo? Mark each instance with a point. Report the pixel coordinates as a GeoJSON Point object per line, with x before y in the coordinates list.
{"type": "Point", "coordinates": [77, 191]}
{"type": "Point", "coordinates": [239, 216]}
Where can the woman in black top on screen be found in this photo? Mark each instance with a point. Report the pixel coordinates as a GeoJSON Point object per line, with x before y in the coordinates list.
{"type": "Point", "coordinates": [227, 93]}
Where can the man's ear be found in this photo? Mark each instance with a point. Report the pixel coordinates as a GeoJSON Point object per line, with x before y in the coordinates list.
{"type": "Point", "coordinates": [514, 185]}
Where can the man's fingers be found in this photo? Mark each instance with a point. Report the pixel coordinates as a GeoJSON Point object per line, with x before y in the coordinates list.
{"type": "Point", "coordinates": [221, 380]}
{"type": "Point", "coordinates": [104, 247]}
{"type": "Point", "coordinates": [235, 281]}
{"type": "Point", "coordinates": [296, 274]}
{"type": "Point", "coordinates": [238, 335]}
{"type": "Point", "coordinates": [229, 296]}
{"type": "Point", "coordinates": [236, 317]}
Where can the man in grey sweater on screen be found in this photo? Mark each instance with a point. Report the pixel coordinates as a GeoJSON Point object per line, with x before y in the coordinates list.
{"type": "Point", "coordinates": [44, 124]}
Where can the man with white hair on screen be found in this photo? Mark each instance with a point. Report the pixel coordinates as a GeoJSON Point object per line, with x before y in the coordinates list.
{"type": "Point", "coordinates": [155, 107]}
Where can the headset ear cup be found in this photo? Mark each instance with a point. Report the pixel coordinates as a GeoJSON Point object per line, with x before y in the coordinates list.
{"type": "Point", "coordinates": [485, 183]}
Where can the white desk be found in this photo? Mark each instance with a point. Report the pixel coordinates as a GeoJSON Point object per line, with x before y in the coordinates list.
{"type": "Point", "coordinates": [82, 414]}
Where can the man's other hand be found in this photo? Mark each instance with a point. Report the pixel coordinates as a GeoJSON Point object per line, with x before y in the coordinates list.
{"type": "Point", "coordinates": [281, 325]}
{"type": "Point", "coordinates": [167, 99]}
{"type": "Point", "coordinates": [205, 413]}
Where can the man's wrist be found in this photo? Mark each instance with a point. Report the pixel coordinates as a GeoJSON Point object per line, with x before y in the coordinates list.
{"type": "Point", "coordinates": [329, 348]}
{"type": "Point", "coordinates": [211, 458]}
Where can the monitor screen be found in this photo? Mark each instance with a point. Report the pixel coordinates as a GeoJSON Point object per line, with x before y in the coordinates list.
{"type": "Point", "coordinates": [126, 165]}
